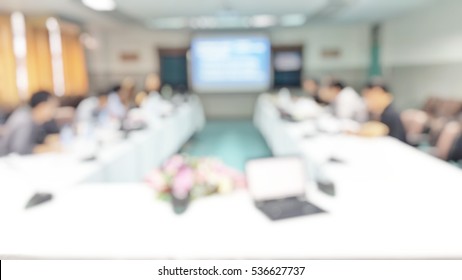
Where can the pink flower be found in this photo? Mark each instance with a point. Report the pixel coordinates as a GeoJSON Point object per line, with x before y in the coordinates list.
{"type": "Point", "coordinates": [237, 177]}
{"type": "Point", "coordinates": [157, 180]}
{"type": "Point", "coordinates": [201, 176]}
{"type": "Point", "coordinates": [173, 165]}
{"type": "Point", "coordinates": [240, 181]}
{"type": "Point", "coordinates": [183, 182]}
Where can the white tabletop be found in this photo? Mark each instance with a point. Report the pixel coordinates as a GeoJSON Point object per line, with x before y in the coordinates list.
{"type": "Point", "coordinates": [127, 221]}
{"type": "Point", "coordinates": [392, 201]}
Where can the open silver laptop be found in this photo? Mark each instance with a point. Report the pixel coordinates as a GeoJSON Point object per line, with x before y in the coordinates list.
{"type": "Point", "coordinates": [277, 186]}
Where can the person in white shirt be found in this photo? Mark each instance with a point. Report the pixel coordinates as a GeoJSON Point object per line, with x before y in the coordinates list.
{"type": "Point", "coordinates": [151, 101]}
{"type": "Point", "coordinates": [345, 101]}
{"type": "Point", "coordinates": [94, 109]}
{"type": "Point", "coordinates": [151, 90]}
{"type": "Point", "coordinates": [117, 104]}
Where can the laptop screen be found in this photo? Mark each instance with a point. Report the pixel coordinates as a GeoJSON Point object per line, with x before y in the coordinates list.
{"type": "Point", "coordinates": [276, 178]}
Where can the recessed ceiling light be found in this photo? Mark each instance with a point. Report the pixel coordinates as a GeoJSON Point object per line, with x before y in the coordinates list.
{"type": "Point", "coordinates": [100, 5]}
{"type": "Point", "coordinates": [168, 23]}
{"type": "Point", "coordinates": [204, 22]}
{"type": "Point", "coordinates": [263, 21]}
{"type": "Point", "coordinates": [232, 22]}
{"type": "Point", "coordinates": [293, 20]}
{"type": "Point", "coordinates": [218, 22]}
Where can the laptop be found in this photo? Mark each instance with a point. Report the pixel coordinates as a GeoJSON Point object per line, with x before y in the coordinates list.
{"type": "Point", "coordinates": [277, 186]}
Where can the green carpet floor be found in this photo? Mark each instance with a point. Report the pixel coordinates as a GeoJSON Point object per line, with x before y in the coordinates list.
{"type": "Point", "coordinates": [234, 142]}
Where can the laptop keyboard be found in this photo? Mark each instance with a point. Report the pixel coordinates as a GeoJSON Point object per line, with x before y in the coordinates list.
{"type": "Point", "coordinates": [288, 208]}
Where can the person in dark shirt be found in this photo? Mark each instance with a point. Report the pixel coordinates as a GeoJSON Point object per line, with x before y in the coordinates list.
{"type": "Point", "coordinates": [384, 118]}
{"type": "Point", "coordinates": [23, 132]}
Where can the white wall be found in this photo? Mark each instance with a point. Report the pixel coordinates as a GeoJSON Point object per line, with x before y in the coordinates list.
{"type": "Point", "coordinates": [432, 35]}
{"type": "Point", "coordinates": [352, 41]}
{"type": "Point", "coordinates": [422, 53]}
{"type": "Point", "coordinates": [105, 65]}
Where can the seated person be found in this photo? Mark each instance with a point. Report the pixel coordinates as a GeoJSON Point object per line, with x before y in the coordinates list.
{"type": "Point", "coordinates": [152, 84]}
{"type": "Point", "coordinates": [117, 103]}
{"type": "Point", "coordinates": [126, 93]}
{"type": "Point", "coordinates": [345, 101]}
{"type": "Point", "coordinates": [151, 101]}
{"type": "Point", "coordinates": [384, 119]}
{"type": "Point", "coordinates": [120, 99]}
{"type": "Point", "coordinates": [23, 132]}
{"type": "Point", "coordinates": [311, 88]}
{"type": "Point", "coordinates": [48, 130]}
{"type": "Point", "coordinates": [151, 90]}
{"type": "Point", "coordinates": [2, 117]}
{"type": "Point", "coordinates": [93, 108]}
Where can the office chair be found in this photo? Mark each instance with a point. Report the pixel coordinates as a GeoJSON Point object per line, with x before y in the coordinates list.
{"type": "Point", "coordinates": [448, 137]}
{"type": "Point", "coordinates": [415, 122]}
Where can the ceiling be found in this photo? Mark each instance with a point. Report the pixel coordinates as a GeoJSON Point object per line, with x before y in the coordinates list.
{"type": "Point", "coordinates": [143, 11]}
{"type": "Point", "coordinates": [70, 9]}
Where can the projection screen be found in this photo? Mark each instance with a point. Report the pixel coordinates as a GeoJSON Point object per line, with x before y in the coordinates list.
{"type": "Point", "coordinates": [230, 63]}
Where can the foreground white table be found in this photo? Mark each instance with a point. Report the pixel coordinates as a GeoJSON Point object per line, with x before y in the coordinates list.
{"type": "Point", "coordinates": [126, 221]}
{"type": "Point", "coordinates": [392, 201]}
{"type": "Point", "coordinates": [375, 172]}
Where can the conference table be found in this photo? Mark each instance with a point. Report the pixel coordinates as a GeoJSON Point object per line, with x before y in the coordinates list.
{"type": "Point", "coordinates": [392, 201]}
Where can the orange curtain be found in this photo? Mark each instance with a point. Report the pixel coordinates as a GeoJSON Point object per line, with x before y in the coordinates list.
{"type": "Point", "coordinates": [8, 90]}
{"type": "Point", "coordinates": [75, 69]}
{"type": "Point", "coordinates": [38, 56]}
{"type": "Point", "coordinates": [39, 60]}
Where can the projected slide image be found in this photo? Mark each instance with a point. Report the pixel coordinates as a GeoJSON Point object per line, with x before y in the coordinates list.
{"type": "Point", "coordinates": [230, 64]}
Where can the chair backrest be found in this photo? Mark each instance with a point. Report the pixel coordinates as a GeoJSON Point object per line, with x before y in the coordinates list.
{"type": "Point", "coordinates": [435, 127]}
{"type": "Point", "coordinates": [431, 105]}
{"type": "Point", "coordinates": [447, 139]}
{"type": "Point", "coordinates": [414, 121]}
{"type": "Point", "coordinates": [456, 151]}
{"type": "Point", "coordinates": [452, 108]}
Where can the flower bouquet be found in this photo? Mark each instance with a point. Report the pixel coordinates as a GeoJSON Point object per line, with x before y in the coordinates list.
{"type": "Point", "coordinates": [183, 178]}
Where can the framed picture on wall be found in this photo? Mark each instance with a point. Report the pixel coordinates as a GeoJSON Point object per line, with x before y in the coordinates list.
{"type": "Point", "coordinates": [129, 56]}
